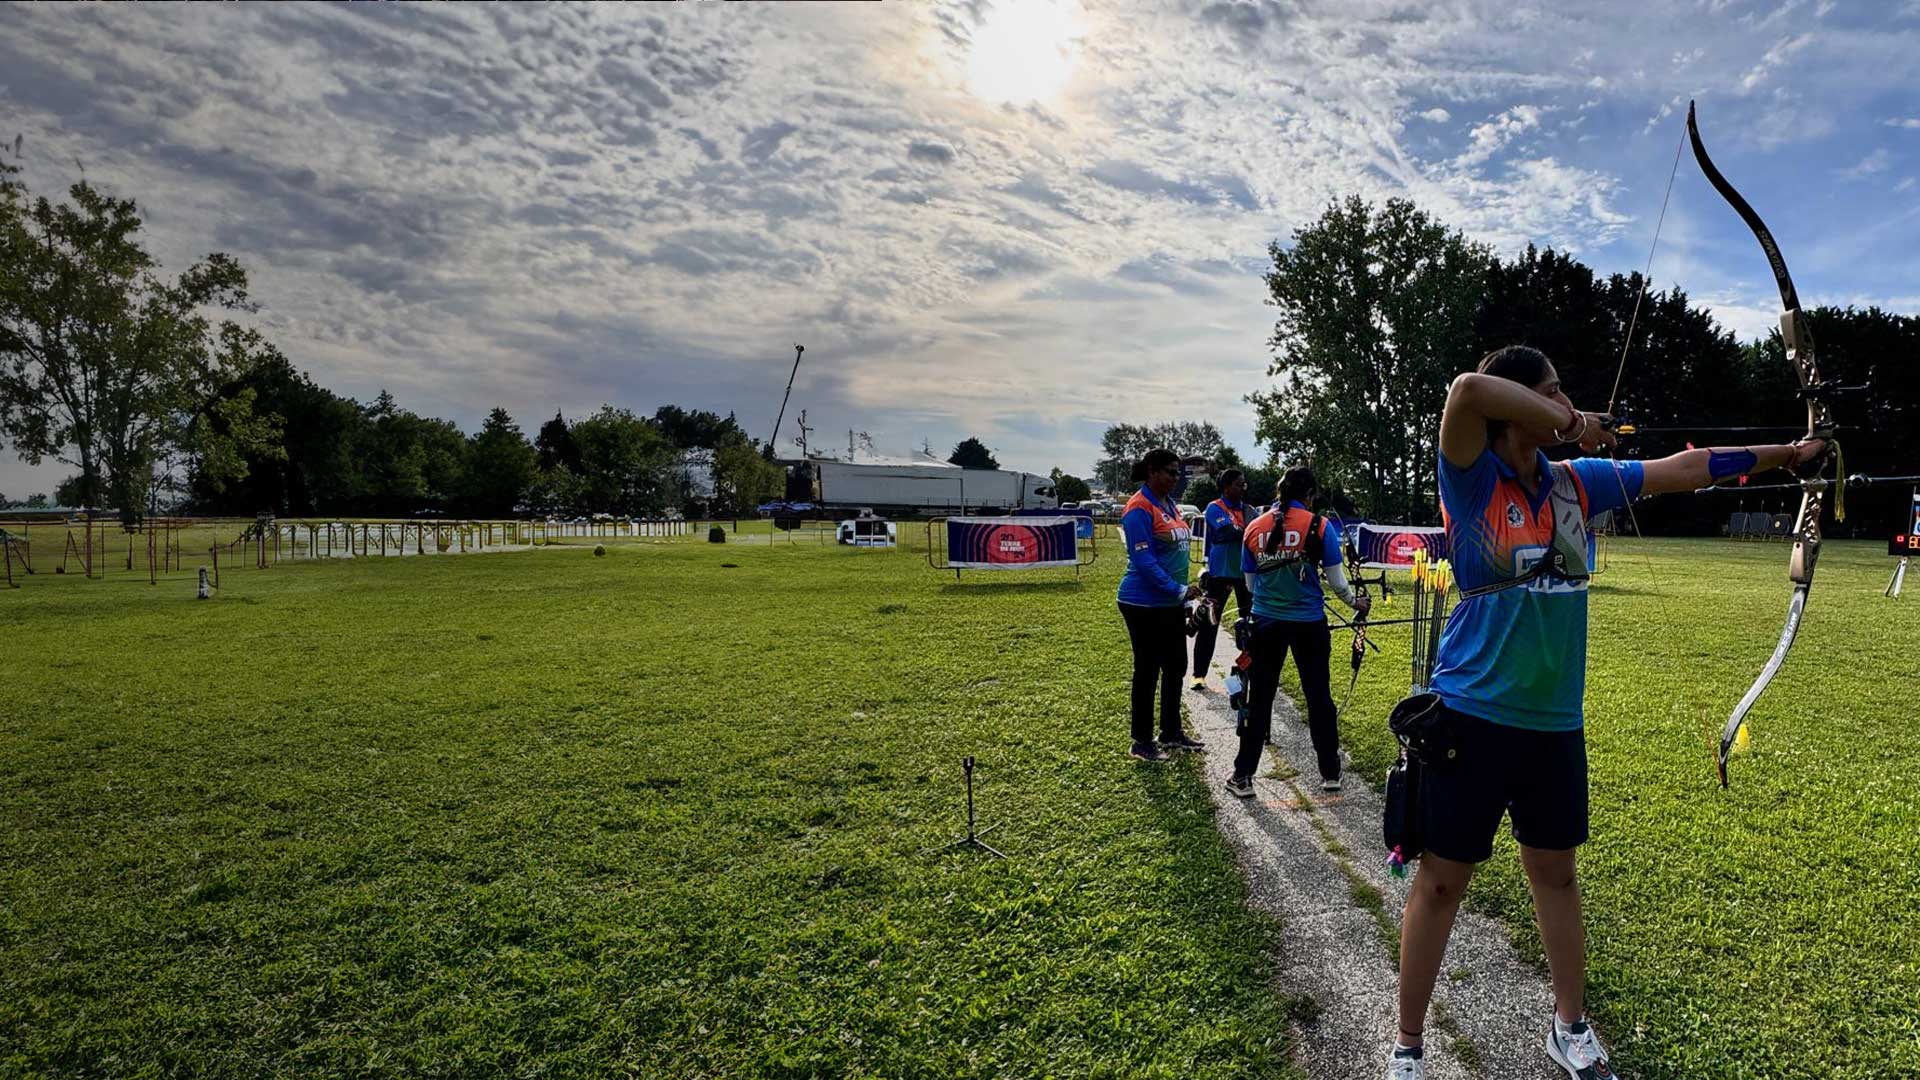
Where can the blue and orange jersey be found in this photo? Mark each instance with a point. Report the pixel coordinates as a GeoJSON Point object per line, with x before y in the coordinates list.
{"type": "Point", "coordinates": [1289, 592]}
{"type": "Point", "coordinates": [1156, 537]}
{"type": "Point", "coordinates": [1226, 529]}
{"type": "Point", "coordinates": [1519, 656]}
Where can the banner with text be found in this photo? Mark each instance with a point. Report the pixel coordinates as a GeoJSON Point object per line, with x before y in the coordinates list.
{"type": "Point", "coordinates": [1392, 546]}
{"type": "Point", "coordinates": [1011, 544]}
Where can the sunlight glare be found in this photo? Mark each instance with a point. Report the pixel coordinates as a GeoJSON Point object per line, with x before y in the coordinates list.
{"type": "Point", "coordinates": [1023, 51]}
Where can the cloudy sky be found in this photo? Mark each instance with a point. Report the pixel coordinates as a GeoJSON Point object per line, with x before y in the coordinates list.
{"type": "Point", "coordinates": [1019, 219]}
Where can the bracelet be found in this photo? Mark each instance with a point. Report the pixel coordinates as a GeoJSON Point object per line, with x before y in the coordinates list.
{"type": "Point", "coordinates": [1581, 434]}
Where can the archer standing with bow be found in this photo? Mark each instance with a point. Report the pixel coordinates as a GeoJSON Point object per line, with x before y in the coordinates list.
{"type": "Point", "coordinates": [1510, 673]}
{"type": "Point", "coordinates": [1289, 550]}
{"type": "Point", "coordinates": [1151, 594]}
{"type": "Point", "coordinates": [1226, 528]}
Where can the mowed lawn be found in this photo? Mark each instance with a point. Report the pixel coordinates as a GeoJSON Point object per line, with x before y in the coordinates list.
{"type": "Point", "coordinates": [1769, 930]}
{"type": "Point", "coordinates": [654, 815]}
{"type": "Point", "coordinates": [651, 814]}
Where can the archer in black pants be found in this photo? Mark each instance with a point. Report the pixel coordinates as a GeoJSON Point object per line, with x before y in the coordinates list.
{"type": "Point", "coordinates": [1159, 636]}
{"type": "Point", "coordinates": [1218, 589]}
{"type": "Point", "coordinates": [1312, 646]}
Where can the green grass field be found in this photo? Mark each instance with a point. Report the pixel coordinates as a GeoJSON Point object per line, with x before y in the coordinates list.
{"type": "Point", "coordinates": [656, 815]}
{"type": "Point", "coordinates": [648, 814]}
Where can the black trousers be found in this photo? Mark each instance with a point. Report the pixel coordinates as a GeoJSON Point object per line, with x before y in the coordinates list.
{"type": "Point", "coordinates": [1159, 636]}
{"type": "Point", "coordinates": [1311, 644]}
{"type": "Point", "coordinates": [1218, 589]}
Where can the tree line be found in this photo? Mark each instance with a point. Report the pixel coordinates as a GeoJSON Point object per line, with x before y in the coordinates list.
{"type": "Point", "coordinates": [1381, 306]}
{"type": "Point", "coordinates": [153, 390]}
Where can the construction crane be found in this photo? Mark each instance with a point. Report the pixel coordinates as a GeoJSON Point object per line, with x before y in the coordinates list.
{"type": "Point", "coordinates": [797, 350]}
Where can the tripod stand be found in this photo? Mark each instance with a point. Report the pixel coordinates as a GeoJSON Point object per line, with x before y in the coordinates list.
{"type": "Point", "coordinates": [972, 838]}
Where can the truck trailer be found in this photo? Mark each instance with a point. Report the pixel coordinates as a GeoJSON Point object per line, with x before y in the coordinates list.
{"type": "Point", "coordinates": [927, 489]}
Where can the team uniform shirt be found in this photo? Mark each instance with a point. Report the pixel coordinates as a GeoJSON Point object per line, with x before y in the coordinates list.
{"type": "Point", "coordinates": [1289, 593]}
{"type": "Point", "coordinates": [1226, 528]}
{"type": "Point", "coordinates": [1156, 537]}
{"type": "Point", "coordinates": [1518, 656]}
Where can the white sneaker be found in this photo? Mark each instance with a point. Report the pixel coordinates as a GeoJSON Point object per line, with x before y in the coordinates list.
{"type": "Point", "coordinates": [1406, 1068]}
{"type": "Point", "coordinates": [1579, 1052]}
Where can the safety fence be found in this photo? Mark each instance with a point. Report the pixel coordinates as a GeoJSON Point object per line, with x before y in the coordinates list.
{"type": "Point", "coordinates": [97, 547]}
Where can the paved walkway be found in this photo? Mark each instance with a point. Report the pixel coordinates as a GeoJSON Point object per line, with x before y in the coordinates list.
{"type": "Point", "coordinates": [1316, 861]}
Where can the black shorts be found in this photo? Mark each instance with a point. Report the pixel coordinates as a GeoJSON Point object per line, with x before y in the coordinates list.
{"type": "Point", "coordinates": [1540, 777]}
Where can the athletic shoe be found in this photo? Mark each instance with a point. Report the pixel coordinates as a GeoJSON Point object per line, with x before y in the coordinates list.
{"type": "Point", "coordinates": [1181, 742]}
{"type": "Point", "coordinates": [1327, 784]}
{"type": "Point", "coordinates": [1578, 1051]}
{"type": "Point", "coordinates": [1146, 751]}
{"type": "Point", "coordinates": [1241, 786]}
{"type": "Point", "coordinates": [1199, 684]}
{"type": "Point", "coordinates": [1407, 1064]}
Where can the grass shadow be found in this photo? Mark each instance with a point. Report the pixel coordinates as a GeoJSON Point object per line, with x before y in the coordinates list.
{"type": "Point", "coordinates": [1003, 588]}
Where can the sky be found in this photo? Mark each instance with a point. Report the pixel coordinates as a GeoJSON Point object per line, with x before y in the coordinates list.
{"type": "Point", "coordinates": [1020, 220]}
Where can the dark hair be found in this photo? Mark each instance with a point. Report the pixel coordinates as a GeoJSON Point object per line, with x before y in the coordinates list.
{"type": "Point", "coordinates": [1296, 484]}
{"type": "Point", "coordinates": [1523, 364]}
{"type": "Point", "coordinates": [1158, 458]}
{"type": "Point", "coordinates": [1227, 478]}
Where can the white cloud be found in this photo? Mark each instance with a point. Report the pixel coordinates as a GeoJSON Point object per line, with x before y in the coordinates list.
{"type": "Point", "coordinates": [558, 207]}
{"type": "Point", "coordinates": [1775, 57]}
{"type": "Point", "coordinates": [1486, 140]}
{"type": "Point", "coordinates": [1875, 162]}
{"type": "Point", "coordinates": [1903, 122]}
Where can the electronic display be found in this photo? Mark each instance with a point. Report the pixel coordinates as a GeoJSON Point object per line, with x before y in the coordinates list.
{"type": "Point", "coordinates": [1906, 545]}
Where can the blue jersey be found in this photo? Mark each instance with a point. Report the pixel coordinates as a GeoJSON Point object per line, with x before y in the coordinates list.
{"type": "Point", "coordinates": [1288, 589]}
{"type": "Point", "coordinates": [1519, 656]}
{"type": "Point", "coordinates": [1226, 528]}
{"type": "Point", "coordinates": [1156, 537]}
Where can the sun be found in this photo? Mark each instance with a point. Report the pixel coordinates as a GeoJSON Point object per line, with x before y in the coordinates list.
{"type": "Point", "coordinates": [1024, 51]}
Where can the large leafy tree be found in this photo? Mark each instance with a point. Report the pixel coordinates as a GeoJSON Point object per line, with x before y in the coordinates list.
{"type": "Point", "coordinates": [318, 471]}
{"type": "Point", "coordinates": [627, 466]}
{"type": "Point", "coordinates": [696, 428]}
{"type": "Point", "coordinates": [743, 478]}
{"type": "Point", "coordinates": [1070, 488]}
{"type": "Point", "coordinates": [408, 463]}
{"type": "Point", "coordinates": [1123, 444]}
{"type": "Point", "coordinates": [971, 453]}
{"type": "Point", "coordinates": [104, 363]}
{"type": "Point", "coordinates": [1378, 309]}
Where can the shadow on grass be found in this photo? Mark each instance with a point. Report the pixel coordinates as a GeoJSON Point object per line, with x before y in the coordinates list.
{"type": "Point", "coordinates": [1002, 588]}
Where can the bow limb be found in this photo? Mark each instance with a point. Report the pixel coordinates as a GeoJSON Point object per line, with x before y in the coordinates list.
{"type": "Point", "coordinates": [1798, 337]}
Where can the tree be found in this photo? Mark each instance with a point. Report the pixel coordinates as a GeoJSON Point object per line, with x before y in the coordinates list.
{"type": "Point", "coordinates": [500, 467]}
{"type": "Point", "coordinates": [70, 492]}
{"type": "Point", "coordinates": [696, 429]}
{"type": "Point", "coordinates": [555, 446]}
{"type": "Point", "coordinates": [742, 479]}
{"type": "Point", "coordinates": [315, 470]}
{"type": "Point", "coordinates": [103, 363]}
{"type": "Point", "coordinates": [627, 466]}
{"type": "Point", "coordinates": [1123, 444]}
{"type": "Point", "coordinates": [1378, 311]}
{"type": "Point", "coordinates": [36, 501]}
{"type": "Point", "coordinates": [408, 463]}
{"type": "Point", "coordinates": [1069, 488]}
{"type": "Point", "coordinates": [971, 453]}
{"type": "Point", "coordinates": [554, 492]}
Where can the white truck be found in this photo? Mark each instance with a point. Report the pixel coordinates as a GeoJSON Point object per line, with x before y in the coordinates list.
{"type": "Point", "coordinates": [928, 488]}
